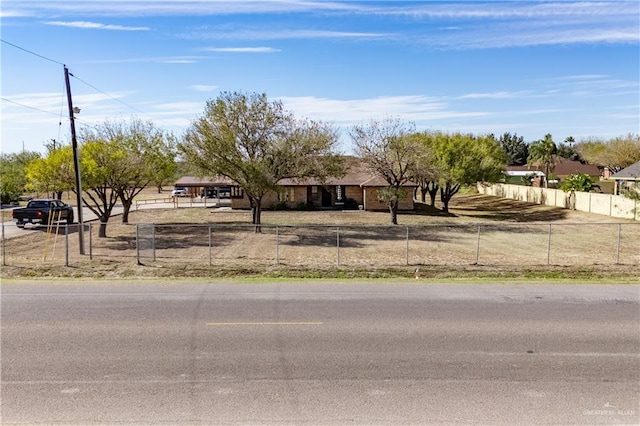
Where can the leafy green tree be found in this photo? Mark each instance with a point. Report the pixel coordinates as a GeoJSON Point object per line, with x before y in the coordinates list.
{"type": "Point", "coordinates": [139, 152]}
{"type": "Point", "coordinates": [150, 157]}
{"type": "Point", "coordinates": [103, 163]}
{"type": "Point", "coordinates": [256, 144]}
{"type": "Point", "coordinates": [13, 178]}
{"type": "Point", "coordinates": [391, 151]}
{"type": "Point", "coordinates": [542, 153]}
{"type": "Point", "coordinates": [515, 148]}
{"type": "Point", "coordinates": [615, 154]}
{"type": "Point", "coordinates": [53, 173]}
{"type": "Point", "coordinates": [463, 160]}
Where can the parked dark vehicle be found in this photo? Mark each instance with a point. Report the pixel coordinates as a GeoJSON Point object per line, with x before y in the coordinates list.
{"type": "Point", "coordinates": [43, 211]}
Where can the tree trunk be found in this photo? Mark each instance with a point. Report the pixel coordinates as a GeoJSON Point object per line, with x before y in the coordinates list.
{"type": "Point", "coordinates": [423, 194]}
{"type": "Point", "coordinates": [393, 210]}
{"type": "Point", "coordinates": [256, 213]}
{"type": "Point", "coordinates": [102, 230]}
{"type": "Point", "coordinates": [433, 191]}
{"type": "Point", "coordinates": [446, 194]}
{"type": "Point", "coordinates": [59, 195]}
{"type": "Point", "coordinates": [127, 207]}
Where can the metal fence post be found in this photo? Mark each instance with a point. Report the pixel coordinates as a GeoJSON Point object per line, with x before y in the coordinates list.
{"type": "Point", "coordinates": [90, 241]}
{"type": "Point", "coordinates": [138, 244]}
{"type": "Point", "coordinates": [338, 246]}
{"type": "Point", "coordinates": [153, 241]}
{"type": "Point", "coordinates": [66, 245]}
{"type": "Point", "coordinates": [549, 247]}
{"type": "Point", "coordinates": [618, 246]}
{"type": "Point", "coordinates": [4, 248]}
{"type": "Point", "coordinates": [478, 246]}
{"type": "Point", "coordinates": [277, 247]}
{"type": "Point", "coordinates": [209, 230]}
{"type": "Point", "coordinates": [407, 245]}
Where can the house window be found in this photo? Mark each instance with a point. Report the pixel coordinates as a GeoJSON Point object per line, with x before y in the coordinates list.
{"type": "Point", "coordinates": [288, 193]}
{"type": "Point", "coordinates": [314, 193]}
{"type": "Point", "coordinates": [340, 193]}
{"type": "Point", "coordinates": [236, 192]}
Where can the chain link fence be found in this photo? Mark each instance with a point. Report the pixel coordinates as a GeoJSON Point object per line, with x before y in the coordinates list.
{"type": "Point", "coordinates": [185, 245]}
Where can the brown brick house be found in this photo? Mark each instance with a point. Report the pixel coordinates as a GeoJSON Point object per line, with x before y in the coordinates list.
{"type": "Point", "coordinates": [358, 188]}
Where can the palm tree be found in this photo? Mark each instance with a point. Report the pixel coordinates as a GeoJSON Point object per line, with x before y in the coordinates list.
{"type": "Point", "coordinates": [543, 153]}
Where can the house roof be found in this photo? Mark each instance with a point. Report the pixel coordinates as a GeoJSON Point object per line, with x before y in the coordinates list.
{"type": "Point", "coordinates": [357, 174]}
{"type": "Point", "coordinates": [190, 181]}
{"type": "Point", "coordinates": [563, 167]}
{"type": "Point", "coordinates": [630, 173]}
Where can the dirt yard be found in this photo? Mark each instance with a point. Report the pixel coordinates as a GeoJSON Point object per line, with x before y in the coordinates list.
{"type": "Point", "coordinates": [482, 236]}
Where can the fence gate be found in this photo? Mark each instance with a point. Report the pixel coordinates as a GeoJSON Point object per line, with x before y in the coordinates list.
{"type": "Point", "coordinates": [145, 242]}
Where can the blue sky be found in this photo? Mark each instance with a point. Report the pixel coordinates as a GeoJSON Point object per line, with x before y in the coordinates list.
{"type": "Point", "coordinates": [527, 67]}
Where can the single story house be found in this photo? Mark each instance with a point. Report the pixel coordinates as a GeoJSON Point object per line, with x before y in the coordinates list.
{"type": "Point", "coordinates": [358, 188]}
{"type": "Point", "coordinates": [627, 178]}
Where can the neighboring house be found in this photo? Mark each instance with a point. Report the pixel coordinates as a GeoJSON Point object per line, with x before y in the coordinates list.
{"type": "Point", "coordinates": [627, 178]}
{"type": "Point", "coordinates": [563, 168]}
{"type": "Point", "coordinates": [357, 189]}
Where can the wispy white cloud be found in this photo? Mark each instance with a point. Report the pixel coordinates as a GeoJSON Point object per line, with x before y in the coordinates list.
{"type": "Point", "coordinates": [466, 24]}
{"type": "Point", "coordinates": [413, 108]}
{"type": "Point", "coordinates": [471, 10]}
{"type": "Point", "coordinates": [173, 7]}
{"type": "Point", "coordinates": [156, 59]}
{"type": "Point", "coordinates": [241, 49]}
{"type": "Point", "coordinates": [5, 14]}
{"type": "Point", "coordinates": [240, 33]}
{"type": "Point", "coordinates": [497, 95]}
{"type": "Point", "coordinates": [94, 26]}
{"type": "Point", "coordinates": [483, 38]}
{"type": "Point", "coordinates": [178, 61]}
{"type": "Point", "coordinates": [593, 84]}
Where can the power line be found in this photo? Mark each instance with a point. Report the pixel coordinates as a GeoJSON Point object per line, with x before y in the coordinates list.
{"type": "Point", "coordinates": [27, 106]}
{"type": "Point", "coordinates": [112, 97]}
{"type": "Point", "coordinates": [32, 53]}
{"type": "Point", "coordinates": [77, 78]}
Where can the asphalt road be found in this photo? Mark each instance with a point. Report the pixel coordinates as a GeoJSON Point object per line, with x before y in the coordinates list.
{"type": "Point", "coordinates": [142, 353]}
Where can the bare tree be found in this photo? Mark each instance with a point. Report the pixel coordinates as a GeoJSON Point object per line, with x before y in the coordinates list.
{"type": "Point", "coordinates": [391, 152]}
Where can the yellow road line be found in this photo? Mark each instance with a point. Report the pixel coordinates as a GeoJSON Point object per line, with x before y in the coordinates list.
{"type": "Point", "coordinates": [263, 323]}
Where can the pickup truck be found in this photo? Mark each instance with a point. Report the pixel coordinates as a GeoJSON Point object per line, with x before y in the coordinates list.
{"type": "Point", "coordinates": [43, 211]}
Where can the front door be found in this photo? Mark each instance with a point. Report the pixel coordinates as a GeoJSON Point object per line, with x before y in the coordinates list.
{"type": "Point", "coordinates": [326, 197]}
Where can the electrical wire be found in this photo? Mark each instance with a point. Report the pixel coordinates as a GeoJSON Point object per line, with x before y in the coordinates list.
{"type": "Point", "coordinates": [112, 97]}
{"type": "Point", "coordinates": [27, 106]}
{"type": "Point", "coordinates": [77, 78]}
{"type": "Point", "coordinates": [32, 53]}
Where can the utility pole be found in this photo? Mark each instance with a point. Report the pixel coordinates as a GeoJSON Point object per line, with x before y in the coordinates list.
{"type": "Point", "coordinates": [76, 161]}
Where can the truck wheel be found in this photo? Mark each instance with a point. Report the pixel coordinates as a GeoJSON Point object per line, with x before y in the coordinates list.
{"type": "Point", "coordinates": [21, 225]}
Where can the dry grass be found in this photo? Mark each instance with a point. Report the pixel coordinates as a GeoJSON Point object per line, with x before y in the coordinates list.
{"type": "Point", "coordinates": [514, 242]}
